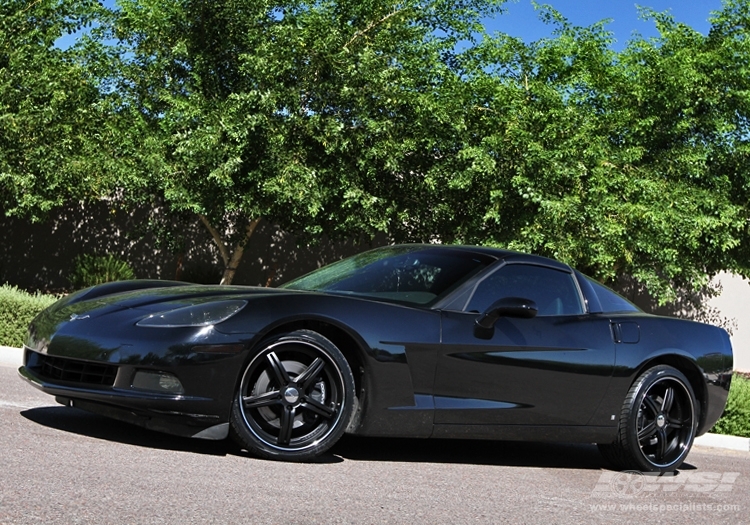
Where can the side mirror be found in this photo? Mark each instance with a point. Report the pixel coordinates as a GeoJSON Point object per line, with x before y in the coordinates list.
{"type": "Point", "coordinates": [505, 307]}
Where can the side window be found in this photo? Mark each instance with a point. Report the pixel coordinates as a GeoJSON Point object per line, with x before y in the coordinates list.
{"type": "Point", "coordinates": [553, 291]}
{"type": "Point", "coordinates": [610, 301]}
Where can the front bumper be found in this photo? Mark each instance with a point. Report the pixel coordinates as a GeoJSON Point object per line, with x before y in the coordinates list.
{"type": "Point", "coordinates": [106, 388]}
{"type": "Point", "coordinates": [153, 411]}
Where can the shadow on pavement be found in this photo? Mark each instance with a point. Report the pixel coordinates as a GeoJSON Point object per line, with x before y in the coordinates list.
{"type": "Point", "coordinates": [478, 452]}
{"type": "Point", "coordinates": [353, 448]}
{"type": "Point", "coordinates": [75, 421]}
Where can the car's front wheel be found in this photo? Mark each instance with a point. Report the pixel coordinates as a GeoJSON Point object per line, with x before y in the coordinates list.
{"type": "Point", "coordinates": [657, 423]}
{"type": "Point", "coordinates": [295, 397]}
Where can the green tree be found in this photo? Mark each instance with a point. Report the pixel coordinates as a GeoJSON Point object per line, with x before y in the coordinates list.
{"type": "Point", "coordinates": [630, 163]}
{"type": "Point", "coordinates": [358, 117]}
{"type": "Point", "coordinates": [50, 110]}
{"type": "Point", "coordinates": [318, 116]}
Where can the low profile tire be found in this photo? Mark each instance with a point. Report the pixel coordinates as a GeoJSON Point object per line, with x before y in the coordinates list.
{"type": "Point", "coordinates": [295, 398]}
{"type": "Point", "coordinates": [657, 423]}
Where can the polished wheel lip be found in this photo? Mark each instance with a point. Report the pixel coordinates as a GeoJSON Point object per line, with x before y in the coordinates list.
{"type": "Point", "coordinates": [661, 419]}
{"type": "Point", "coordinates": [289, 407]}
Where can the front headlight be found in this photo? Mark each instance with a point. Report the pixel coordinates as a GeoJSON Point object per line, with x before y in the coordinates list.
{"type": "Point", "coordinates": [195, 315]}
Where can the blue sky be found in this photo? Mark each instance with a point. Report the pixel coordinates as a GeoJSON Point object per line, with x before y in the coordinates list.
{"type": "Point", "coordinates": [521, 20]}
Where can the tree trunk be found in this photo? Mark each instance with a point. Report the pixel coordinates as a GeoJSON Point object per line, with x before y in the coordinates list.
{"type": "Point", "coordinates": [178, 270]}
{"type": "Point", "coordinates": [230, 259]}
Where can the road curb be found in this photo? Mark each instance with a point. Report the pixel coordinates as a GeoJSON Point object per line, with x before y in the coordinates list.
{"type": "Point", "coordinates": [11, 356]}
{"type": "Point", "coordinates": [14, 357]}
{"type": "Point", "coordinates": [721, 441]}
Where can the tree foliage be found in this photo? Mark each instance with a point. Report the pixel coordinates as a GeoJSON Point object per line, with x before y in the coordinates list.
{"type": "Point", "coordinates": [313, 115]}
{"type": "Point", "coordinates": [49, 107]}
{"type": "Point", "coordinates": [346, 118]}
{"type": "Point", "coordinates": [630, 163]}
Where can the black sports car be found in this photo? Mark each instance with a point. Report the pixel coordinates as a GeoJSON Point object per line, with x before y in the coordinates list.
{"type": "Point", "coordinates": [413, 340]}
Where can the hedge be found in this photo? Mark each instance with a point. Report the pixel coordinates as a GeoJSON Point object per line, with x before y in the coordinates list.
{"type": "Point", "coordinates": [17, 309]}
{"type": "Point", "coordinates": [736, 418]}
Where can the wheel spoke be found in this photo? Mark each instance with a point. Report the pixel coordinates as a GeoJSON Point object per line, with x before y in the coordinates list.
{"type": "Point", "coordinates": [286, 424]}
{"type": "Point", "coordinates": [647, 431]}
{"type": "Point", "coordinates": [677, 423]}
{"type": "Point", "coordinates": [262, 400]}
{"type": "Point", "coordinates": [661, 444]}
{"type": "Point", "coordinates": [651, 405]}
{"type": "Point", "coordinates": [318, 408]}
{"type": "Point", "coordinates": [306, 378]}
{"type": "Point", "coordinates": [666, 403]}
{"type": "Point", "coordinates": [278, 370]}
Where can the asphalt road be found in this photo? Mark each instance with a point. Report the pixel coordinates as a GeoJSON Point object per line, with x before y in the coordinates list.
{"type": "Point", "coordinates": [61, 465]}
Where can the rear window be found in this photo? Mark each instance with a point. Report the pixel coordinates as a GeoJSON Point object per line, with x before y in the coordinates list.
{"type": "Point", "coordinates": [610, 301]}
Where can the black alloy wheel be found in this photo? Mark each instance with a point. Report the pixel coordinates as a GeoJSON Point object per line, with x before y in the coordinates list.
{"type": "Point", "coordinates": [657, 423]}
{"type": "Point", "coordinates": [295, 398]}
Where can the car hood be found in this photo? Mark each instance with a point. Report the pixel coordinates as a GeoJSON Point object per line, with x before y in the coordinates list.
{"type": "Point", "coordinates": [151, 299]}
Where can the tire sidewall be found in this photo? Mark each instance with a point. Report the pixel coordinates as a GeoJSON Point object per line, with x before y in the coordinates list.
{"type": "Point", "coordinates": [642, 386]}
{"type": "Point", "coordinates": [253, 443]}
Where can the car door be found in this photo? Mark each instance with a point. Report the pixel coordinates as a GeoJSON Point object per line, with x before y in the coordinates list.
{"type": "Point", "coordinates": [552, 369]}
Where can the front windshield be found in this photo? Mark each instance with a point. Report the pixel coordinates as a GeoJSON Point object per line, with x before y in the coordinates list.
{"type": "Point", "coordinates": [417, 274]}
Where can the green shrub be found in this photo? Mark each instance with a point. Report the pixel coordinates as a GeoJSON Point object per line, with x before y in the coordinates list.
{"type": "Point", "coordinates": [736, 418]}
{"type": "Point", "coordinates": [17, 309]}
{"type": "Point", "coordinates": [98, 269]}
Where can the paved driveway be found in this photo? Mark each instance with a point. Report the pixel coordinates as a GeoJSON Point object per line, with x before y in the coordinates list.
{"type": "Point", "coordinates": [61, 465]}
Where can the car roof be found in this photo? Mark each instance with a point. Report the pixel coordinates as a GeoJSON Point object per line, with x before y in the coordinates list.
{"type": "Point", "coordinates": [498, 253]}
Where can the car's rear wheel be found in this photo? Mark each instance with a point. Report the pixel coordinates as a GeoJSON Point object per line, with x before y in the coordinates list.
{"type": "Point", "coordinates": [657, 423]}
{"type": "Point", "coordinates": [295, 397]}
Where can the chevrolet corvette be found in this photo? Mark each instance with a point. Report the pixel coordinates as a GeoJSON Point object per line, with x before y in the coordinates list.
{"type": "Point", "coordinates": [422, 341]}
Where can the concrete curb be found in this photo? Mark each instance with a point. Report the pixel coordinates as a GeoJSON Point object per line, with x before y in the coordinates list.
{"type": "Point", "coordinates": [14, 357]}
{"type": "Point", "coordinates": [11, 356]}
{"type": "Point", "coordinates": [721, 441]}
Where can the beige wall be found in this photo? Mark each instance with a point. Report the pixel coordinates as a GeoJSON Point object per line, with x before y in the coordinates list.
{"type": "Point", "coordinates": [734, 304]}
{"type": "Point", "coordinates": [725, 302]}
